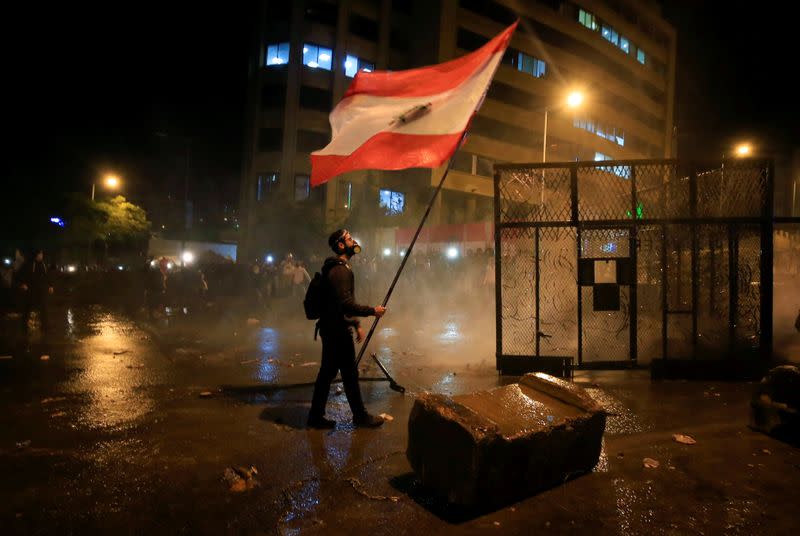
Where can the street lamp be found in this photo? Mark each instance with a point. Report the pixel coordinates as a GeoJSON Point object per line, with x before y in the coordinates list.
{"type": "Point", "coordinates": [574, 100]}
{"type": "Point", "coordinates": [111, 182]}
{"type": "Point", "coordinates": [743, 149]}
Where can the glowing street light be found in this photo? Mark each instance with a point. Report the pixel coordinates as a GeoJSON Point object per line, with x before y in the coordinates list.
{"type": "Point", "coordinates": [387, 252]}
{"type": "Point", "coordinates": [743, 149]}
{"type": "Point", "coordinates": [187, 257]}
{"type": "Point", "coordinates": [110, 181]}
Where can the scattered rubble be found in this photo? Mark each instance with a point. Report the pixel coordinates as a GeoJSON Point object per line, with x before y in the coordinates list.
{"type": "Point", "coordinates": [241, 479]}
{"type": "Point", "coordinates": [650, 463]}
{"type": "Point", "coordinates": [386, 417]}
{"type": "Point", "coordinates": [45, 357]}
{"type": "Point", "coordinates": [685, 439]}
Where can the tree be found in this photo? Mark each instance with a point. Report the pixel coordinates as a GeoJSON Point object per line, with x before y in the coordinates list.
{"type": "Point", "coordinates": [116, 222]}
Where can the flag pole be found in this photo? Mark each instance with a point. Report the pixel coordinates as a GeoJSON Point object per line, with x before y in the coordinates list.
{"type": "Point", "coordinates": [410, 248]}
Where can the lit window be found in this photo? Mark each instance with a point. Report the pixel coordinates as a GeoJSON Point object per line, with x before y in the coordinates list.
{"type": "Point", "coordinates": [302, 187]}
{"type": "Point", "coordinates": [277, 54]}
{"type": "Point", "coordinates": [640, 57]}
{"type": "Point", "coordinates": [344, 193]}
{"type": "Point", "coordinates": [352, 65]}
{"type": "Point", "coordinates": [393, 202]}
{"type": "Point", "coordinates": [587, 19]}
{"type": "Point", "coordinates": [620, 171]}
{"type": "Point", "coordinates": [317, 57]}
{"type": "Point", "coordinates": [624, 44]}
{"type": "Point", "coordinates": [531, 65]}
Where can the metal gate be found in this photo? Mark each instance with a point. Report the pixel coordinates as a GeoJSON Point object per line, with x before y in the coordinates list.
{"type": "Point", "coordinates": [614, 263]}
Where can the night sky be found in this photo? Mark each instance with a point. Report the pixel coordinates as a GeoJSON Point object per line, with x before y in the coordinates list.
{"type": "Point", "coordinates": [90, 87]}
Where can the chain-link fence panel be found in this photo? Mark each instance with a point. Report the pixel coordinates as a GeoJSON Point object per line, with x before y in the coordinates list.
{"type": "Point", "coordinates": [605, 243]}
{"type": "Point", "coordinates": [661, 192]}
{"type": "Point", "coordinates": [605, 334]}
{"type": "Point", "coordinates": [649, 288]}
{"type": "Point", "coordinates": [786, 284]}
{"type": "Point", "coordinates": [541, 195]}
{"type": "Point", "coordinates": [735, 189]}
{"type": "Point", "coordinates": [518, 291]}
{"type": "Point", "coordinates": [558, 306]}
{"type": "Point", "coordinates": [604, 193]}
{"type": "Point", "coordinates": [748, 299]}
{"type": "Point", "coordinates": [713, 296]}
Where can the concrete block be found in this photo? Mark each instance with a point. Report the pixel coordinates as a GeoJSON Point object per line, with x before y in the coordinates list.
{"type": "Point", "coordinates": [494, 447]}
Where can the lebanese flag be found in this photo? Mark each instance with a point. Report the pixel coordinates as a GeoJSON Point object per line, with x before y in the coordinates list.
{"type": "Point", "coordinates": [405, 119]}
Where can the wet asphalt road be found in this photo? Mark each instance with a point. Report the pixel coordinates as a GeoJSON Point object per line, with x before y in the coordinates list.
{"type": "Point", "coordinates": [135, 427]}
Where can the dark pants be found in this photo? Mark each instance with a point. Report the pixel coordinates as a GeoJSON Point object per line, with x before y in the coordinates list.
{"type": "Point", "coordinates": [31, 305]}
{"type": "Point", "coordinates": [338, 354]}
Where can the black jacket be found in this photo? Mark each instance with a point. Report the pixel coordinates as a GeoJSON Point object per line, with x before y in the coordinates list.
{"type": "Point", "coordinates": [340, 303]}
{"type": "Point", "coordinates": [37, 277]}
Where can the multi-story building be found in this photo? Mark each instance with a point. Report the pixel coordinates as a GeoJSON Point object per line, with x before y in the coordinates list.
{"type": "Point", "coordinates": [620, 53]}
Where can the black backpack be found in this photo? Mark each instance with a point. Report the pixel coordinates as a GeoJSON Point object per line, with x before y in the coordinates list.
{"type": "Point", "coordinates": [314, 302]}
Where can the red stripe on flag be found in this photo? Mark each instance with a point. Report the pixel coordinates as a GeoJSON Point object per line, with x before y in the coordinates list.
{"type": "Point", "coordinates": [430, 80]}
{"type": "Point", "coordinates": [387, 150]}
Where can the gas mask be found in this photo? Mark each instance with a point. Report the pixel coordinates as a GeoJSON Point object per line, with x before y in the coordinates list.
{"type": "Point", "coordinates": [352, 250]}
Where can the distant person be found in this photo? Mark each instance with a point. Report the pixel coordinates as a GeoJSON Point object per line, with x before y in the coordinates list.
{"type": "Point", "coordinates": [336, 329]}
{"type": "Point", "coordinates": [300, 279]}
{"type": "Point", "coordinates": [35, 289]}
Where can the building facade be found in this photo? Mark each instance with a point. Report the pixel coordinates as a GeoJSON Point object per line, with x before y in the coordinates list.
{"type": "Point", "coordinates": [619, 53]}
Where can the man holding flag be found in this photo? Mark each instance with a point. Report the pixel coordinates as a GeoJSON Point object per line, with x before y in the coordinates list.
{"type": "Point", "coordinates": [405, 119]}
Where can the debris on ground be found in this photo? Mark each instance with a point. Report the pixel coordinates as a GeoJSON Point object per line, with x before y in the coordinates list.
{"type": "Point", "coordinates": [386, 417]}
{"type": "Point", "coordinates": [248, 361]}
{"type": "Point", "coordinates": [241, 479]}
{"type": "Point", "coordinates": [24, 444]}
{"type": "Point", "coordinates": [253, 321]}
{"type": "Point", "coordinates": [766, 451]}
{"type": "Point", "coordinates": [339, 390]}
{"type": "Point", "coordinates": [2, 357]}
{"type": "Point", "coordinates": [650, 463]}
{"type": "Point", "coordinates": [53, 399]}
{"type": "Point", "coordinates": [58, 414]}
{"type": "Point", "coordinates": [685, 439]}
{"type": "Point", "coordinates": [45, 357]}
{"type": "Point", "coordinates": [308, 364]}
{"type": "Point", "coordinates": [206, 394]}
{"type": "Point", "coordinates": [121, 352]}
{"type": "Point", "coordinates": [357, 485]}
{"type": "Point", "coordinates": [136, 366]}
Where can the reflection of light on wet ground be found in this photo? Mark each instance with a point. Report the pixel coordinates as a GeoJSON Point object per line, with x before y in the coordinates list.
{"type": "Point", "coordinates": [602, 463]}
{"type": "Point", "coordinates": [70, 322]}
{"type": "Point", "coordinates": [451, 332]}
{"type": "Point", "coordinates": [621, 420]}
{"type": "Point", "coordinates": [268, 346]}
{"type": "Point", "coordinates": [633, 516]}
{"type": "Point", "coordinates": [113, 385]}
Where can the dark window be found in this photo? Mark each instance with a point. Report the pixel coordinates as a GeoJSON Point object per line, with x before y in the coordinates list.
{"type": "Point", "coordinates": [363, 27]}
{"type": "Point", "coordinates": [492, 128]}
{"type": "Point", "coordinates": [270, 139]}
{"type": "Point", "coordinates": [266, 183]}
{"type": "Point", "coordinates": [399, 40]}
{"type": "Point", "coordinates": [315, 99]}
{"type": "Point", "coordinates": [513, 96]}
{"type": "Point", "coordinates": [302, 187]}
{"type": "Point", "coordinates": [273, 96]}
{"type": "Point", "coordinates": [484, 167]}
{"type": "Point", "coordinates": [308, 141]}
{"type": "Point", "coordinates": [462, 162]}
{"type": "Point", "coordinates": [470, 40]}
{"type": "Point", "coordinates": [490, 10]}
{"type": "Point", "coordinates": [402, 6]}
{"type": "Point", "coordinates": [321, 12]}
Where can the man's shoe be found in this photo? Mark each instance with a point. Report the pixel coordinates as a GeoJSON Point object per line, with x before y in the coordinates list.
{"type": "Point", "coordinates": [367, 421]}
{"type": "Point", "coordinates": [321, 423]}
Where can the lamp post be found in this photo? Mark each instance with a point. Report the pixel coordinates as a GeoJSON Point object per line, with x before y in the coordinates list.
{"type": "Point", "coordinates": [574, 100]}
